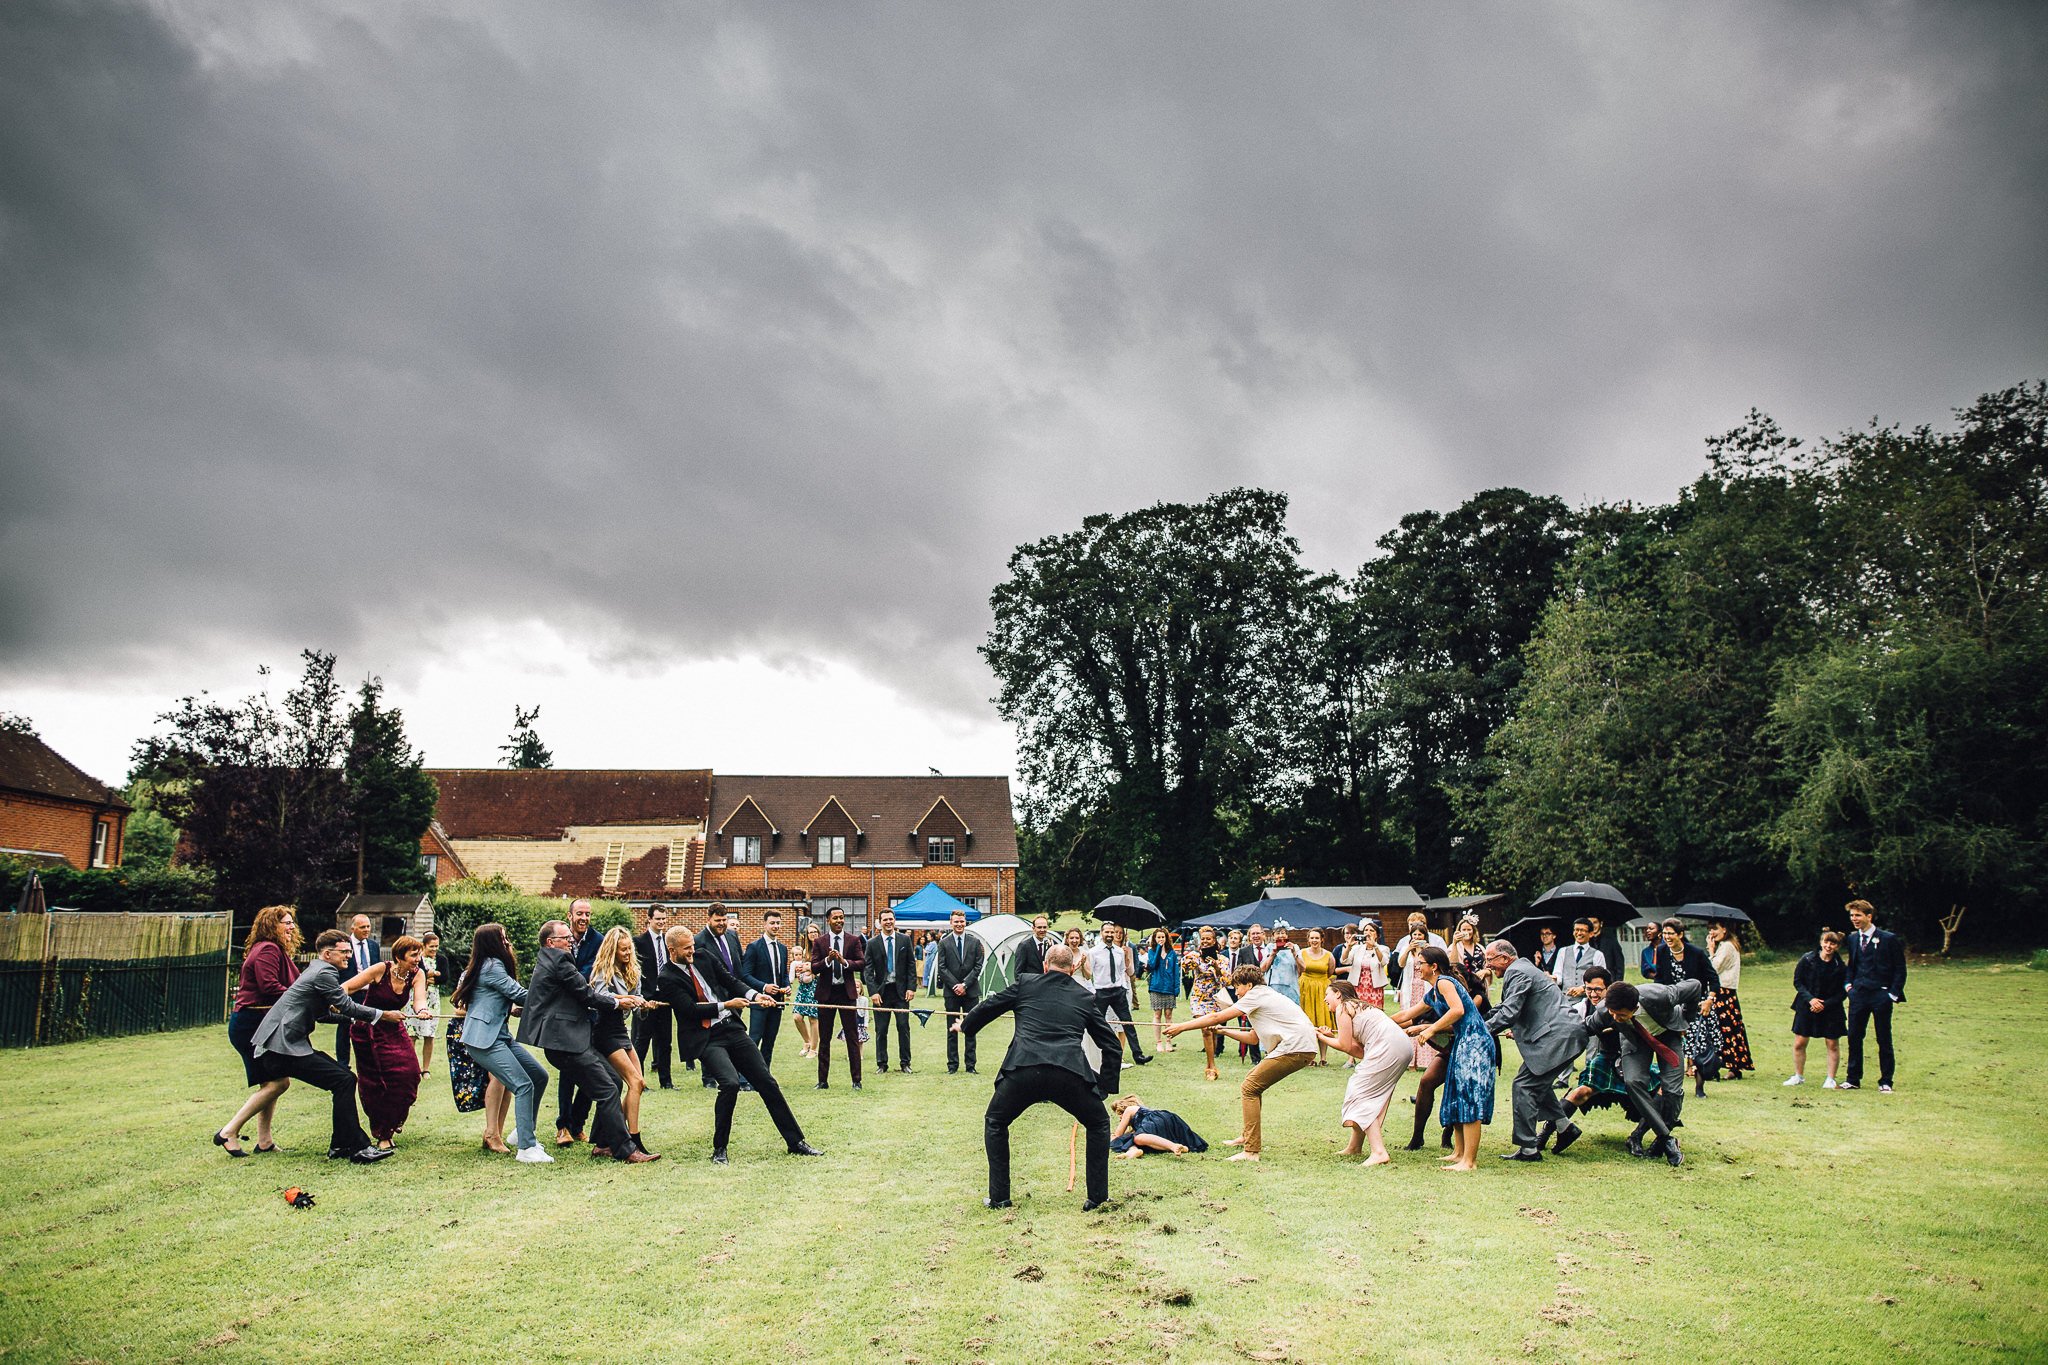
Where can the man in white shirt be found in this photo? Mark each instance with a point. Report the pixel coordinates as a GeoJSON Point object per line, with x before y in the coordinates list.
{"type": "Point", "coordinates": [1282, 1030]}
{"type": "Point", "coordinates": [364, 952]}
{"type": "Point", "coordinates": [1109, 968]}
{"type": "Point", "coordinates": [1572, 962]}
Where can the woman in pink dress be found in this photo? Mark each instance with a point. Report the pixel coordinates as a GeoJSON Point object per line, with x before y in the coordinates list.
{"type": "Point", "coordinates": [387, 1069]}
{"type": "Point", "coordinates": [1381, 1048]}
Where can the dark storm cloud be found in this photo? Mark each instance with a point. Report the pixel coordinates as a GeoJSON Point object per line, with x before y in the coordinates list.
{"type": "Point", "coordinates": [772, 330]}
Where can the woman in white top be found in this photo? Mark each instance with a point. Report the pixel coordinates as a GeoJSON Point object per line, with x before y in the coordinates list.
{"type": "Point", "coordinates": [1369, 963]}
{"type": "Point", "coordinates": [1412, 984]}
{"type": "Point", "coordinates": [1724, 951]}
{"type": "Point", "coordinates": [1279, 1027]}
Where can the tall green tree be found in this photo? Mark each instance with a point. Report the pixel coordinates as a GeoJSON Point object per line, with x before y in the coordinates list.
{"type": "Point", "coordinates": [522, 748]}
{"type": "Point", "coordinates": [1142, 660]}
{"type": "Point", "coordinates": [1918, 733]}
{"type": "Point", "coordinates": [391, 798]}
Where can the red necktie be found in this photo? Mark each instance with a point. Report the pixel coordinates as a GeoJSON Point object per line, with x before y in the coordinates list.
{"type": "Point", "coordinates": [1664, 1054]}
{"type": "Point", "coordinates": [698, 991]}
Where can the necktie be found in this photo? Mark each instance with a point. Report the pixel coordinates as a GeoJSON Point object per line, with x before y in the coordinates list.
{"type": "Point", "coordinates": [1665, 1055]}
{"type": "Point", "coordinates": [892, 958]}
{"type": "Point", "coordinates": [1113, 956]}
{"type": "Point", "coordinates": [838, 972]}
{"type": "Point", "coordinates": [703, 993]}
{"type": "Point", "coordinates": [725, 952]}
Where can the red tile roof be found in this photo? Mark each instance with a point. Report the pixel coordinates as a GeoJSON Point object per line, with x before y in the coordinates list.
{"type": "Point", "coordinates": [540, 803]}
{"type": "Point", "coordinates": [28, 765]}
{"type": "Point", "coordinates": [887, 810]}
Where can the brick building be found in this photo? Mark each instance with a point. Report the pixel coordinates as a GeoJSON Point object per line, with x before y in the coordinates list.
{"type": "Point", "coordinates": [50, 809]}
{"type": "Point", "coordinates": [684, 839]}
{"type": "Point", "coordinates": [440, 856]}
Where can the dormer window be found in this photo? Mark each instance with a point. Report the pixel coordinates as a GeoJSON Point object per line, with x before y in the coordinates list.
{"type": "Point", "coordinates": [746, 849]}
{"type": "Point", "coordinates": [831, 848]}
{"type": "Point", "coordinates": [940, 849]}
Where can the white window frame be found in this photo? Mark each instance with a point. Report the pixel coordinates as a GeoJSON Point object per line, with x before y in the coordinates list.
{"type": "Point", "coordinates": [832, 850]}
{"type": "Point", "coordinates": [931, 851]}
{"type": "Point", "coordinates": [746, 850]}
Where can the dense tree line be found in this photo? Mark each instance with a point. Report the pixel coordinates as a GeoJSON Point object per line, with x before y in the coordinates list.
{"type": "Point", "coordinates": [1814, 673]}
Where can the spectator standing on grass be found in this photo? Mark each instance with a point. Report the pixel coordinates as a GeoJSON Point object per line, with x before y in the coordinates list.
{"type": "Point", "coordinates": [1283, 966]}
{"type": "Point", "coordinates": [487, 994]}
{"type": "Point", "coordinates": [1163, 977]}
{"type": "Point", "coordinates": [1820, 983]}
{"type": "Point", "coordinates": [1678, 960]}
{"type": "Point", "coordinates": [1575, 961]}
{"type": "Point", "coordinates": [1317, 968]}
{"type": "Point", "coordinates": [268, 970]}
{"type": "Point", "coordinates": [1109, 970]}
{"type": "Point", "coordinates": [837, 956]}
{"type": "Point", "coordinates": [1208, 971]}
{"type": "Point", "coordinates": [806, 996]}
{"type": "Point", "coordinates": [387, 1069]}
{"type": "Point", "coordinates": [1609, 944]}
{"type": "Point", "coordinates": [1724, 954]}
{"type": "Point", "coordinates": [961, 956]}
{"type": "Point", "coordinates": [1369, 976]}
{"type": "Point", "coordinates": [1877, 981]}
{"type": "Point", "coordinates": [421, 1028]}
{"type": "Point", "coordinates": [768, 963]}
{"type": "Point", "coordinates": [653, 1033]}
{"type": "Point", "coordinates": [891, 979]}
{"type": "Point", "coordinates": [364, 952]}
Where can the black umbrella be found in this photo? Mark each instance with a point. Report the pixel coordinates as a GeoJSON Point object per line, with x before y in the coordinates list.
{"type": "Point", "coordinates": [1571, 897]}
{"type": "Point", "coordinates": [1711, 910]}
{"type": "Point", "coordinates": [1132, 912]}
{"type": "Point", "coordinates": [1524, 933]}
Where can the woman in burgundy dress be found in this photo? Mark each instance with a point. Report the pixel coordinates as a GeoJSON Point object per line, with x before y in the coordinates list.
{"type": "Point", "coordinates": [387, 1069]}
{"type": "Point", "coordinates": [267, 969]}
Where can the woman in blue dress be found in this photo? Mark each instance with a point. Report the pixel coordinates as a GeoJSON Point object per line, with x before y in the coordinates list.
{"type": "Point", "coordinates": [1140, 1130]}
{"type": "Point", "coordinates": [1447, 1012]}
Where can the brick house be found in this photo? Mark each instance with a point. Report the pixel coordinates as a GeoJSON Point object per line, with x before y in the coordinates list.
{"type": "Point", "coordinates": [50, 809]}
{"type": "Point", "coordinates": [440, 856]}
{"type": "Point", "coordinates": [575, 832]}
{"type": "Point", "coordinates": [860, 844]}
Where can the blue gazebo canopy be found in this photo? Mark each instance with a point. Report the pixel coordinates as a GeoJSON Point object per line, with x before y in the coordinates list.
{"type": "Point", "coordinates": [932, 906]}
{"type": "Point", "coordinates": [1293, 911]}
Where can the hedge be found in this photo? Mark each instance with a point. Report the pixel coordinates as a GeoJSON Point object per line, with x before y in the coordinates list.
{"type": "Point", "coordinates": [459, 907]}
{"type": "Point", "coordinates": [135, 890]}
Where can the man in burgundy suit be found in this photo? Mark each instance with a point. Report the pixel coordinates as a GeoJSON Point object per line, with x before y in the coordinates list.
{"type": "Point", "coordinates": [836, 961]}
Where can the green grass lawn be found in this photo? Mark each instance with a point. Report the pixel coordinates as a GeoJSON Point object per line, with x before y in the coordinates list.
{"type": "Point", "coordinates": [1806, 1225]}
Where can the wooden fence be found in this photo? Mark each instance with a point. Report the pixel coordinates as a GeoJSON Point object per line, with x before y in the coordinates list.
{"type": "Point", "coordinates": [70, 974]}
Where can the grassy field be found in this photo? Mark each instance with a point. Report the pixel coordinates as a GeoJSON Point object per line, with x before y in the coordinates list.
{"type": "Point", "coordinates": [1807, 1225]}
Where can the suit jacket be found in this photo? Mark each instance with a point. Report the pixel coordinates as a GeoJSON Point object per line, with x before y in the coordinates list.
{"type": "Point", "coordinates": [1814, 979]}
{"type": "Point", "coordinates": [693, 1012]}
{"type": "Point", "coordinates": [643, 949]}
{"type": "Point", "coordinates": [1883, 968]}
{"type": "Point", "coordinates": [1246, 956]}
{"type": "Point", "coordinates": [1054, 1012]}
{"type": "Point", "coordinates": [854, 949]}
{"type": "Point", "coordinates": [1663, 1011]}
{"type": "Point", "coordinates": [1534, 1007]}
{"type": "Point", "coordinates": [559, 1001]}
{"type": "Point", "coordinates": [1030, 955]}
{"type": "Point", "coordinates": [764, 968]}
{"type": "Point", "coordinates": [1609, 944]}
{"type": "Point", "coordinates": [876, 972]}
{"type": "Point", "coordinates": [490, 1004]}
{"type": "Point", "coordinates": [960, 966]}
{"type": "Point", "coordinates": [707, 946]}
{"type": "Point", "coordinates": [288, 1028]}
{"type": "Point", "coordinates": [376, 956]}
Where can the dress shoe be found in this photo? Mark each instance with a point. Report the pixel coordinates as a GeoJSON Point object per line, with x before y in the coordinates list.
{"type": "Point", "coordinates": [369, 1156]}
{"type": "Point", "coordinates": [1093, 1204]}
{"type": "Point", "coordinates": [995, 1203]}
{"type": "Point", "coordinates": [903, 1070]}
{"type": "Point", "coordinates": [822, 1085]}
{"type": "Point", "coordinates": [952, 1071]}
{"type": "Point", "coordinates": [1635, 1148]}
{"type": "Point", "coordinates": [856, 1085]}
{"type": "Point", "coordinates": [1522, 1154]}
{"type": "Point", "coordinates": [802, 1148]}
{"type": "Point", "coordinates": [1848, 1085]}
{"type": "Point", "coordinates": [603, 1152]}
{"type": "Point", "coordinates": [1671, 1152]}
{"type": "Point", "coordinates": [1566, 1136]}
{"type": "Point", "coordinates": [1544, 1134]}
{"type": "Point", "coordinates": [640, 1158]}
{"type": "Point", "coordinates": [1139, 1060]}
{"type": "Point", "coordinates": [719, 1158]}
{"type": "Point", "coordinates": [970, 1071]}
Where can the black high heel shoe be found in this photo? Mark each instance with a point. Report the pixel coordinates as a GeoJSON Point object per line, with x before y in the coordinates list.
{"type": "Point", "coordinates": [222, 1143]}
{"type": "Point", "coordinates": [264, 1147]}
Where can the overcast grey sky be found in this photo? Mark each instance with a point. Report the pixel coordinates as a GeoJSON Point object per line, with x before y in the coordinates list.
{"type": "Point", "coordinates": [694, 369]}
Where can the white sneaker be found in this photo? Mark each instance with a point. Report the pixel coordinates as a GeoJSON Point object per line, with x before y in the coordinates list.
{"type": "Point", "coordinates": [1828, 1084]}
{"type": "Point", "coordinates": [536, 1155]}
{"type": "Point", "coordinates": [1799, 1080]}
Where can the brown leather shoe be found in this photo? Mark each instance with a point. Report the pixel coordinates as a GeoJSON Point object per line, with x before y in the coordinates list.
{"type": "Point", "coordinates": [638, 1157]}
{"type": "Point", "coordinates": [596, 1152]}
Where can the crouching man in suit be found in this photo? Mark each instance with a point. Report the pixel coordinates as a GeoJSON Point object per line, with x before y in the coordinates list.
{"type": "Point", "coordinates": [556, 1019]}
{"type": "Point", "coordinates": [706, 1000]}
{"type": "Point", "coordinates": [1047, 1064]}
{"type": "Point", "coordinates": [1549, 1037]}
{"type": "Point", "coordinates": [283, 1044]}
{"type": "Point", "coordinates": [1630, 1048]}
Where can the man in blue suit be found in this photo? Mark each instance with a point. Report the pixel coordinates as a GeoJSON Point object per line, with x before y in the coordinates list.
{"type": "Point", "coordinates": [1877, 981]}
{"type": "Point", "coordinates": [767, 961]}
{"type": "Point", "coordinates": [364, 952]}
{"type": "Point", "coordinates": [720, 942]}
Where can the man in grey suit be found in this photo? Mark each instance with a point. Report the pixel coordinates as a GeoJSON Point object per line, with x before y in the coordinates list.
{"type": "Point", "coordinates": [283, 1045]}
{"type": "Point", "coordinates": [556, 1019]}
{"type": "Point", "coordinates": [1638, 1024]}
{"type": "Point", "coordinates": [1547, 1035]}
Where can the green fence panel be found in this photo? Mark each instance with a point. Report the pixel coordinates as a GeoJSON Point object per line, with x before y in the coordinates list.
{"type": "Point", "coordinates": [21, 989]}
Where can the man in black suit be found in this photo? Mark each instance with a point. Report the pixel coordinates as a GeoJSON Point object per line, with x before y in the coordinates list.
{"type": "Point", "coordinates": [891, 979]}
{"type": "Point", "coordinates": [836, 961]}
{"type": "Point", "coordinates": [1609, 944]}
{"type": "Point", "coordinates": [720, 942]}
{"type": "Point", "coordinates": [960, 959]}
{"type": "Point", "coordinates": [363, 952]}
{"type": "Point", "coordinates": [652, 1028]}
{"type": "Point", "coordinates": [706, 1000]}
{"type": "Point", "coordinates": [556, 1019]}
{"type": "Point", "coordinates": [1047, 1064]}
{"type": "Point", "coordinates": [767, 961]}
{"type": "Point", "coordinates": [1251, 953]}
{"type": "Point", "coordinates": [1030, 955]}
{"type": "Point", "coordinates": [572, 1105]}
{"type": "Point", "coordinates": [1877, 981]}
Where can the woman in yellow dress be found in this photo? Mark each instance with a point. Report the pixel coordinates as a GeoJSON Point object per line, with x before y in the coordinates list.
{"type": "Point", "coordinates": [1317, 965]}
